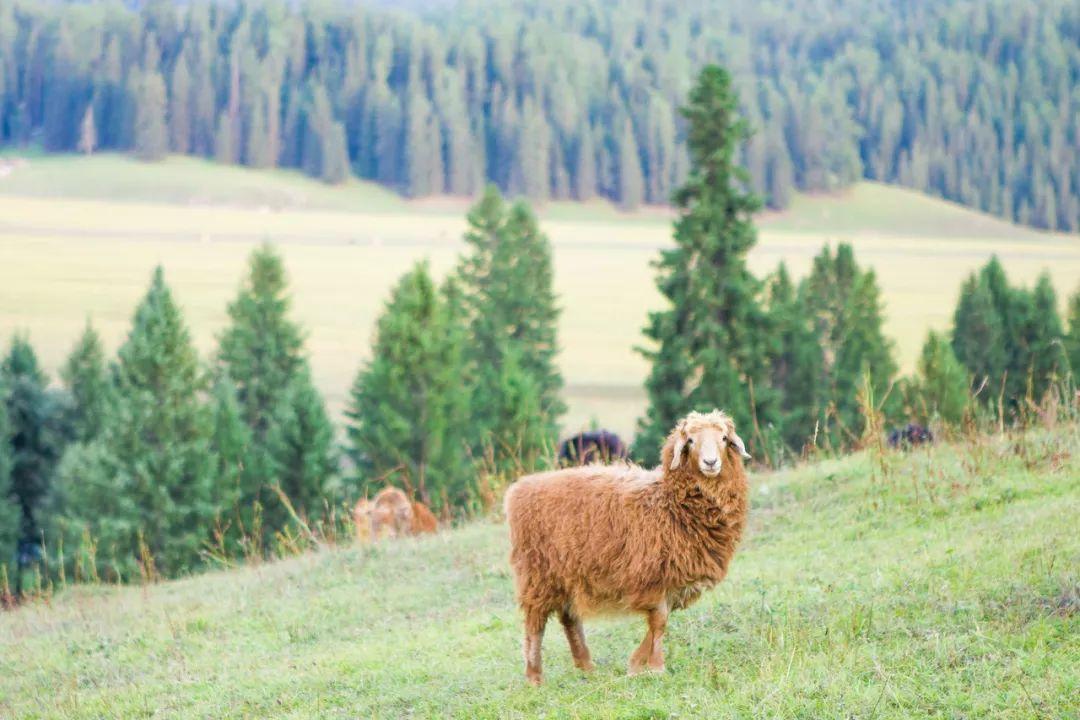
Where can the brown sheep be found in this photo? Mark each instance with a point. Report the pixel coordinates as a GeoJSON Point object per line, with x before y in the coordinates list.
{"type": "Point", "coordinates": [620, 538]}
{"type": "Point", "coordinates": [392, 514]}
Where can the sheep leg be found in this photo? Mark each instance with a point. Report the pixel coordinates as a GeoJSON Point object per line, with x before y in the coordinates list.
{"type": "Point", "coordinates": [575, 635]}
{"type": "Point", "coordinates": [534, 635]}
{"type": "Point", "coordinates": [650, 653]}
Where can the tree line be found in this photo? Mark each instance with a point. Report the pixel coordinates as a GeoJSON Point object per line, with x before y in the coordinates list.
{"type": "Point", "coordinates": [157, 462]}
{"type": "Point", "coordinates": [974, 101]}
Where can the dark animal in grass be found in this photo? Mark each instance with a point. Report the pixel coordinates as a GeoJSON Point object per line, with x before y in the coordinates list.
{"type": "Point", "coordinates": [601, 446]}
{"type": "Point", "coordinates": [909, 436]}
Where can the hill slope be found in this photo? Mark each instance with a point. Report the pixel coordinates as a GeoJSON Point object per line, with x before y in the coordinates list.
{"type": "Point", "coordinates": [947, 587]}
{"type": "Point", "coordinates": [864, 208]}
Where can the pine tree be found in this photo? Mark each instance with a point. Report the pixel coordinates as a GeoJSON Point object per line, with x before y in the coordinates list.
{"type": "Point", "coordinates": [88, 132]}
{"type": "Point", "coordinates": [1046, 361]}
{"type": "Point", "coordinates": [709, 347]}
{"type": "Point", "coordinates": [151, 139]}
{"type": "Point", "coordinates": [506, 280]}
{"type": "Point", "coordinates": [146, 486]}
{"type": "Point", "coordinates": [943, 384]}
{"type": "Point", "coordinates": [423, 149]}
{"type": "Point", "coordinates": [1010, 339]}
{"type": "Point", "coordinates": [38, 432]}
{"type": "Point", "coordinates": [180, 97]}
{"type": "Point", "coordinates": [845, 306]}
{"type": "Point", "coordinates": [978, 337]}
{"type": "Point", "coordinates": [303, 456]}
{"type": "Point", "coordinates": [796, 361]}
{"type": "Point", "coordinates": [1013, 309]}
{"type": "Point", "coordinates": [86, 377]}
{"type": "Point", "coordinates": [261, 350]}
{"type": "Point", "coordinates": [863, 351]}
{"type": "Point", "coordinates": [290, 434]}
{"type": "Point", "coordinates": [407, 408]}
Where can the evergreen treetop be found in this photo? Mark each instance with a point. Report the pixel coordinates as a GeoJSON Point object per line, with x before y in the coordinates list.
{"type": "Point", "coordinates": [408, 407]}
{"type": "Point", "coordinates": [709, 346]}
{"type": "Point", "coordinates": [86, 377]}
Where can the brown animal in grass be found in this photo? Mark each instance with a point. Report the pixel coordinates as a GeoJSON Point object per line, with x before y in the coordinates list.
{"type": "Point", "coordinates": [423, 520]}
{"type": "Point", "coordinates": [599, 539]}
{"type": "Point", "coordinates": [392, 514]}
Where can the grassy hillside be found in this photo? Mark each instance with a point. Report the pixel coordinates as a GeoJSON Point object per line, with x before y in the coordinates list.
{"type": "Point", "coordinates": [947, 585]}
{"type": "Point", "coordinates": [79, 237]}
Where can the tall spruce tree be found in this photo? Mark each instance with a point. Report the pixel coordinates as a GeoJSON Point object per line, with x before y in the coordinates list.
{"type": "Point", "coordinates": [844, 303]}
{"type": "Point", "coordinates": [145, 487]}
{"type": "Point", "coordinates": [86, 377]}
{"type": "Point", "coordinates": [506, 280]}
{"type": "Point", "coordinates": [261, 352]}
{"type": "Point", "coordinates": [38, 432]}
{"type": "Point", "coordinates": [708, 349]}
{"type": "Point", "coordinates": [408, 408]}
{"type": "Point", "coordinates": [262, 349]}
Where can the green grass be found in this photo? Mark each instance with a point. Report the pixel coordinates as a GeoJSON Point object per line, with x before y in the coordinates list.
{"type": "Point", "coordinates": [948, 587]}
{"type": "Point", "coordinates": [79, 237]}
{"type": "Point", "coordinates": [188, 180]}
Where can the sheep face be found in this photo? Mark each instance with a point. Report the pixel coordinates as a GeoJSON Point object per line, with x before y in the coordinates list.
{"type": "Point", "coordinates": [701, 440]}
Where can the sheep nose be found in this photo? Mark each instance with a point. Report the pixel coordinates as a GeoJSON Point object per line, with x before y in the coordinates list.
{"type": "Point", "coordinates": [709, 463]}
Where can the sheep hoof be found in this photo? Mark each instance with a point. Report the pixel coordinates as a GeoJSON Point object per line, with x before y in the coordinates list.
{"type": "Point", "coordinates": [535, 679]}
{"type": "Point", "coordinates": [585, 666]}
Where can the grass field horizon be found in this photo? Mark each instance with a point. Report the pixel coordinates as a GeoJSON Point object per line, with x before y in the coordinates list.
{"type": "Point", "coordinates": [80, 235]}
{"type": "Point", "coordinates": [937, 583]}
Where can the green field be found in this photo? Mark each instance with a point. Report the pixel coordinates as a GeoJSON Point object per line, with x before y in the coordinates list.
{"type": "Point", "coordinates": [79, 236]}
{"type": "Point", "coordinates": [947, 587]}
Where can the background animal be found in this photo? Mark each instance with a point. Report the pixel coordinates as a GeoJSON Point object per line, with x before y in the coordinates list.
{"type": "Point", "coordinates": [392, 514]}
{"type": "Point", "coordinates": [910, 435]}
{"type": "Point", "coordinates": [621, 538]}
{"type": "Point", "coordinates": [592, 446]}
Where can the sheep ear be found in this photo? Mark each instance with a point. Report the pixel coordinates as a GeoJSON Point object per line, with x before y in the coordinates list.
{"type": "Point", "coordinates": [739, 445]}
{"type": "Point", "coordinates": [676, 453]}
